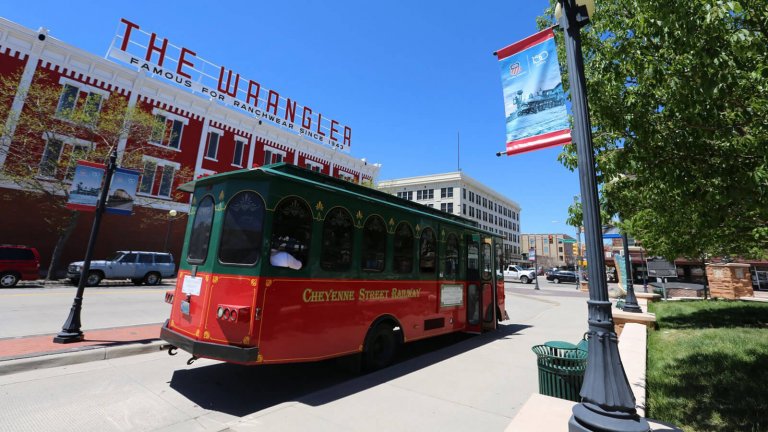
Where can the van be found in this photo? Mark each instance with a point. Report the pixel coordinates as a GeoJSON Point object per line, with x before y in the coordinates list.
{"type": "Point", "coordinates": [18, 263]}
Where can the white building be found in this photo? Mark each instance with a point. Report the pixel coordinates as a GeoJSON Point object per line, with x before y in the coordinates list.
{"type": "Point", "coordinates": [460, 194]}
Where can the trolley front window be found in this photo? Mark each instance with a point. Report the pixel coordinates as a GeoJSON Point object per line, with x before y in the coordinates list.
{"type": "Point", "coordinates": [242, 230]}
{"type": "Point", "coordinates": [201, 232]}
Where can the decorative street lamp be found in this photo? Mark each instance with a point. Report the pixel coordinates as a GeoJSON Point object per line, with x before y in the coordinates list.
{"type": "Point", "coordinates": [171, 214]}
{"type": "Point", "coordinates": [70, 331]}
{"type": "Point", "coordinates": [607, 400]}
{"type": "Point", "coordinates": [630, 303]}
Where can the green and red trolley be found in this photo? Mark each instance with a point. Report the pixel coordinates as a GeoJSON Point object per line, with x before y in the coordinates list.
{"type": "Point", "coordinates": [281, 264]}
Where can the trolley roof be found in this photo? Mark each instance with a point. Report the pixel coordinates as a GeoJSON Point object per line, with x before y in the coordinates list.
{"type": "Point", "coordinates": [297, 174]}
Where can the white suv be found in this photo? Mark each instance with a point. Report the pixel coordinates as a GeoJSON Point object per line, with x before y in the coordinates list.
{"type": "Point", "coordinates": [139, 267]}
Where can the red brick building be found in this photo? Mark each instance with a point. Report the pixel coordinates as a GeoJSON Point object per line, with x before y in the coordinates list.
{"type": "Point", "coordinates": [207, 137]}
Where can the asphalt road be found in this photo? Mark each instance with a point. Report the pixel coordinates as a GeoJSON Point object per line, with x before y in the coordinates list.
{"type": "Point", "coordinates": [452, 383]}
{"type": "Point", "coordinates": [29, 310]}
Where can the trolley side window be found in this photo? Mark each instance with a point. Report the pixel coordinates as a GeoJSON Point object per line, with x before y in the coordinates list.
{"type": "Point", "coordinates": [487, 261]}
{"type": "Point", "coordinates": [403, 250]}
{"type": "Point", "coordinates": [451, 256]}
{"type": "Point", "coordinates": [200, 236]}
{"type": "Point", "coordinates": [374, 244]}
{"type": "Point", "coordinates": [338, 229]}
{"type": "Point", "coordinates": [427, 251]}
{"type": "Point", "coordinates": [291, 234]}
{"type": "Point", "coordinates": [242, 229]}
{"type": "Point", "coordinates": [473, 261]}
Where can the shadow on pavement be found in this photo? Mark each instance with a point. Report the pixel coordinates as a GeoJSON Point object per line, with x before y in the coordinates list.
{"type": "Point", "coordinates": [241, 390]}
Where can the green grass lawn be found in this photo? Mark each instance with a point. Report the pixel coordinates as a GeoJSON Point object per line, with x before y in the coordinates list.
{"type": "Point", "coordinates": [708, 365]}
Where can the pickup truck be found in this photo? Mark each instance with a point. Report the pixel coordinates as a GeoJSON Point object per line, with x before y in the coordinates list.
{"type": "Point", "coordinates": [516, 273]}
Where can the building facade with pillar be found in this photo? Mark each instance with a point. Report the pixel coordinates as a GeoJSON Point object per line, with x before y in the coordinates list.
{"type": "Point", "coordinates": [459, 194]}
{"type": "Point", "coordinates": [203, 137]}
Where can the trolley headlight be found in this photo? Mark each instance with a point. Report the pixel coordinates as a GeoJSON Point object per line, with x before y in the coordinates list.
{"type": "Point", "coordinates": [220, 312]}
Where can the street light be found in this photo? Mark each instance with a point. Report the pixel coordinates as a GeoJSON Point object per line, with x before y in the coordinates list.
{"type": "Point", "coordinates": [70, 331]}
{"type": "Point", "coordinates": [607, 399]}
{"type": "Point", "coordinates": [630, 303]}
{"type": "Point", "coordinates": [171, 214]}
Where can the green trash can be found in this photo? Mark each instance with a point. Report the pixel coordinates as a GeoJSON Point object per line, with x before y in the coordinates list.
{"type": "Point", "coordinates": [561, 369]}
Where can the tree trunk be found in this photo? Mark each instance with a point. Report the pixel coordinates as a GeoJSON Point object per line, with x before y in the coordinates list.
{"type": "Point", "coordinates": [60, 243]}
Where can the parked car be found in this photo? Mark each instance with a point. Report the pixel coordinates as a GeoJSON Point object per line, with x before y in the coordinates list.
{"type": "Point", "coordinates": [138, 266]}
{"type": "Point", "coordinates": [18, 263]}
{"type": "Point", "coordinates": [563, 276]}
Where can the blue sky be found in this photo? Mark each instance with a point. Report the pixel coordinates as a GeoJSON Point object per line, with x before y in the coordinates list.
{"type": "Point", "coordinates": [407, 76]}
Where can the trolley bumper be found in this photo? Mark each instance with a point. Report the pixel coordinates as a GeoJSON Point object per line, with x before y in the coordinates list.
{"type": "Point", "coordinates": [207, 349]}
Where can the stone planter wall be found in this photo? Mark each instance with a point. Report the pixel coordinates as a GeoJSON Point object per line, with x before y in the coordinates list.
{"type": "Point", "coordinates": [731, 281]}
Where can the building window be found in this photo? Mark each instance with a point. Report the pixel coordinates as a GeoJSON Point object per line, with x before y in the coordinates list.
{"type": "Point", "coordinates": [158, 170]}
{"type": "Point", "coordinates": [212, 147]}
{"type": "Point", "coordinates": [446, 192]}
{"type": "Point", "coordinates": [447, 207]}
{"type": "Point", "coordinates": [313, 166]}
{"type": "Point", "coordinates": [74, 95]}
{"type": "Point", "coordinates": [471, 211]}
{"type": "Point", "coordinates": [167, 130]}
{"type": "Point", "coordinates": [348, 177]}
{"type": "Point", "coordinates": [464, 209]}
{"type": "Point", "coordinates": [272, 156]}
{"type": "Point", "coordinates": [463, 193]}
{"type": "Point", "coordinates": [237, 159]}
{"type": "Point", "coordinates": [62, 152]}
{"type": "Point", "coordinates": [406, 195]}
{"type": "Point", "coordinates": [425, 194]}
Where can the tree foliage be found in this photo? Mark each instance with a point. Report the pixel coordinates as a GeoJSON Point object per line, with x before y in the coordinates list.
{"type": "Point", "coordinates": [678, 100]}
{"type": "Point", "coordinates": [38, 168]}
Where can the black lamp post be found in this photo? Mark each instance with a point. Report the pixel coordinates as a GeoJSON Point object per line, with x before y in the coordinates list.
{"type": "Point", "coordinates": [645, 272]}
{"type": "Point", "coordinates": [70, 331]}
{"type": "Point", "coordinates": [630, 303]}
{"type": "Point", "coordinates": [607, 400]}
{"type": "Point", "coordinates": [171, 214]}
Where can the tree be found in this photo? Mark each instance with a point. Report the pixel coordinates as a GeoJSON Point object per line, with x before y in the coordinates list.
{"type": "Point", "coordinates": [678, 99]}
{"type": "Point", "coordinates": [55, 129]}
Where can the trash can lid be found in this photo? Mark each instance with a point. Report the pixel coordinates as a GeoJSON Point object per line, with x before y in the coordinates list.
{"type": "Point", "coordinates": [560, 345]}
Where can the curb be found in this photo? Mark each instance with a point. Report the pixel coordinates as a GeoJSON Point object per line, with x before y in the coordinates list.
{"type": "Point", "coordinates": [83, 355]}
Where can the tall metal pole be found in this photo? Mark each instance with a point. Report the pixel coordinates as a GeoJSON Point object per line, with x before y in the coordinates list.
{"type": "Point", "coordinates": [578, 256]}
{"type": "Point", "coordinates": [536, 267]}
{"type": "Point", "coordinates": [607, 400]}
{"type": "Point", "coordinates": [645, 272]}
{"type": "Point", "coordinates": [70, 331]}
{"type": "Point", "coordinates": [630, 303]}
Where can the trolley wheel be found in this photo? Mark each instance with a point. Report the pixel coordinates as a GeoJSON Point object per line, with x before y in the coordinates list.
{"type": "Point", "coordinates": [94, 278]}
{"type": "Point", "coordinates": [380, 348]}
{"type": "Point", "coordinates": [152, 278]}
{"type": "Point", "coordinates": [524, 279]}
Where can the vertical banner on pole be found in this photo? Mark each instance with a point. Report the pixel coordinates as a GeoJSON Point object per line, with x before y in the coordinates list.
{"type": "Point", "coordinates": [86, 184]}
{"type": "Point", "coordinates": [122, 192]}
{"type": "Point", "coordinates": [534, 101]}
